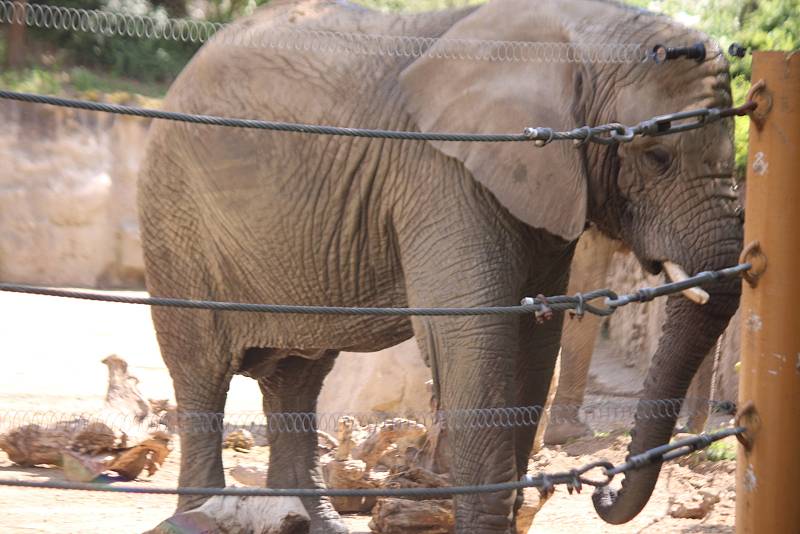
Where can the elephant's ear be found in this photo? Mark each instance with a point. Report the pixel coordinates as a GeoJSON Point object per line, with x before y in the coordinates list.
{"type": "Point", "coordinates": [543, 187]}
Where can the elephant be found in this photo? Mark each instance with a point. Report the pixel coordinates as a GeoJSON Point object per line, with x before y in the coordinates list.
{"type": "Point", "coordinates": [589, 270]}
{"type": "Point", "coordinates": [252, 216]}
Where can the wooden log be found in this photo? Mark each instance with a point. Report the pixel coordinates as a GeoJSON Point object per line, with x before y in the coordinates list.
{"type": "Point", "coordinates": [31, 445]}
{"type": "Point", "coordinates": [348, 474]}
{"type": "Point", "coordinates": [120, 437]}
{"type": "Point", "coordinates": [250, 475]}
{"type": "Point", "coordinates": [415, 477]}
{"type": "Point", "coordinates": [240, 440]}
{"type": "Point", "coordinates": [240, 515]}
{"type": "Point", "coordinates": [397, 433]}
{"type": "Point", "coordinates": [326, 443]}
{"type": "Point", "coordinates": [123, 391]}
{"type": "Point", "coordinates": [403, 516]}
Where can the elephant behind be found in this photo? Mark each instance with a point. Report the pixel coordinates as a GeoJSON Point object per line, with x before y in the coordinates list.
{"type": "Point", "coordinates": [253, 216]}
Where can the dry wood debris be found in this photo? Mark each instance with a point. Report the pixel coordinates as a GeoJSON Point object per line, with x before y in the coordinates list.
{"type": "Point", "coordinates": [125, 436]}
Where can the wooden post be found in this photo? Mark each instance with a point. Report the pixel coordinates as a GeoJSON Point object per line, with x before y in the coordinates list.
{"type": "Point", "coordinates": [768, 467]}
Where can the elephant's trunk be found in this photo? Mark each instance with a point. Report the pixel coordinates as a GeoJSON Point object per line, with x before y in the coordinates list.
{"type": "Point", "coordinates": [689, 332]}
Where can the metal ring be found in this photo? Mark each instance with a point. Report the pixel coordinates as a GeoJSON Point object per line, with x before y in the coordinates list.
{"type": "Point", "coordinates": [605, 464]}
{"type": "Point", "coordinates": [589, 136]}
{"type": "Point", "coordinates": [747, 418]}
{"type": "Point", "coordinates": [753, 255]}
{"type": "Point", "coordinates": [627, 135]}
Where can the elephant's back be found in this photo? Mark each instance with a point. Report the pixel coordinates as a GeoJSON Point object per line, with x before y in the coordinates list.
{"type": "Point", "coordinates": [281, 213]}
{"type": "Point", "coordinates": [323, 53]}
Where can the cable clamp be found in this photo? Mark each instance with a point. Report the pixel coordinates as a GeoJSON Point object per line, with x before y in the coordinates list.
{"type": "Point", "coordinates": [545, 312]}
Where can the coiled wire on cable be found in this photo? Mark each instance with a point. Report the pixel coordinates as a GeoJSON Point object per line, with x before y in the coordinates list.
{"type": "Point", "coordinates": [110, 23]}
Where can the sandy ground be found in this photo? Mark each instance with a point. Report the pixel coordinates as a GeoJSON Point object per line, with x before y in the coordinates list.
{"type": "Point", "coordinates": [51, 351]}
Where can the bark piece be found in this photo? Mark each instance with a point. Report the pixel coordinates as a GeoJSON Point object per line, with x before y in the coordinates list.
{"type": "Point", "coordinates": [403, 516]}
{"type": "Point", "coordinates": [123, 392]}
{"type": "Point", "coordinates": [149, 454]}
{"type": "Point", "coordinates": [348, 474]}
{"type": "Point", "coordinates": [164, 413]}
{"type": "Point", "coordinates": [326, 443]}
{"type": "Point", "coordinates": [398, 433]}
{"type": "Point", "coordinates": [239, 440]}
{"type": "Point", "coordinates": [83, 468]}
{"type": "Point", "coordinates": [250, 475]}
{"type": "Point", "coordinates": [415, 477]}
{"type": "Point", "coordinates": [345, 429]}
{"type": "Point", "coordinates": [696, 506]}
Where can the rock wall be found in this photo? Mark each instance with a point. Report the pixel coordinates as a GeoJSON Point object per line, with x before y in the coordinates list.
{"type": "Point", "coordinates": [68, 197]}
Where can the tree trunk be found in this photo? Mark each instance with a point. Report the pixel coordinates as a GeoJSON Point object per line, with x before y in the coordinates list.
{"type": "Point", "coordinates": [15, 40]}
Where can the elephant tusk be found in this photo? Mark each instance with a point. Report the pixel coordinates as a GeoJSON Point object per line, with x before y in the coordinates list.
{"type": "Point", "coordinates": [676, 274]}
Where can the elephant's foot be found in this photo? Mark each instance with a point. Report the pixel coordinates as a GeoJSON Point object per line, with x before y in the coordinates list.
{"type": "Point", "coordinates": [187, 503]}
{"type": "Point", "coordinates": [561, 432]}
{"type": "Point", "coordinates": [324, 518]}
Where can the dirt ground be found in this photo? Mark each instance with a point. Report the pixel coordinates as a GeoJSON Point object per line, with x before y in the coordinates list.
{"type": "Point", "coordinates": [51, 351]}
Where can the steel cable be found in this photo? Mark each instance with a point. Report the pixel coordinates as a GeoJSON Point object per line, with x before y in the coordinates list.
{"type": "Point", "coordinates": [573, 479]}
{"type": "Point", "coordinates": [603, 134]}
{"type": "Point", "coordinates": [538, 305]}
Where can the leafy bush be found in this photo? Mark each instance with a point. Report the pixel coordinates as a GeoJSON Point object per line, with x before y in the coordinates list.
{"type": "Point", "coordinates": [33, 80]}
{"type": "Point", "coordinates": [755, 24]}
{"type": "Point", "coordinates": [720, 450]}
{"type": "Point", "coordinates": [142, 59]}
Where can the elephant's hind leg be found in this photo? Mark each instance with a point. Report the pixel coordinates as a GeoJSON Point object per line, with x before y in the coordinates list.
{"type": "Point", "coordinates": [292, 388]}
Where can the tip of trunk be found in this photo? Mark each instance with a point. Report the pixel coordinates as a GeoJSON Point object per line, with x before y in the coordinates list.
{"type": "Point", "coordinates": [620, 506]}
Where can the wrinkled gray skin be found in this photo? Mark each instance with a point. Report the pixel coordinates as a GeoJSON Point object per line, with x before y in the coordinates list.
{"type": "Point", "coordinates": [243, 215]}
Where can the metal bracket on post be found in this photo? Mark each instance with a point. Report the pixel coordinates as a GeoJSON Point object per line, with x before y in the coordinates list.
{"type": "Point", "coordinates": [753, 255]}
{"type": "Point", "coordinates": [748, 418]}
{"type": "Point", "coordinates": [759, 94]}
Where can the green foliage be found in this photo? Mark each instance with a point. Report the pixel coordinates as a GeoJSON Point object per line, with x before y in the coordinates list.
{"type": "Point", "coordinates": [33, 80]}
{"type": "Point", "coordinates": [755, 24]}
{"type": "Point", "coordinates": [721, 450]}
{"type": "Point", "coordinates": [38, 79]}
{"type": "Point", "coordinates": [142, 59]}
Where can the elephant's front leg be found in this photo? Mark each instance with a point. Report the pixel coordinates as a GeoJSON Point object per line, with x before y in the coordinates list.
{"type": "Point", "coordinates": [472, 365]}
{"type": "Point", "coordinates": [577, 346]}
{"type": "Point", "coordinates": [539, 345]}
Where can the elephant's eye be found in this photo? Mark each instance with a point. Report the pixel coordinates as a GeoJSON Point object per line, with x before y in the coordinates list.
{"type": "Point", "coordinates": [657, 159]}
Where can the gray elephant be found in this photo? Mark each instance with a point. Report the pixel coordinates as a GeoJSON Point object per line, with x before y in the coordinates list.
{"type": "Point", "coordinates": [243, 215]}
{"type": "Point", "coordinates": [590, 268]}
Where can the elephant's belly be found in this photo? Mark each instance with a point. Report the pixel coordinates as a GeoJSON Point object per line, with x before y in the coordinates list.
{"type": "Point", "coordinates": [298, 271]}
{"type": "Point", "coordinates": [313, 332]}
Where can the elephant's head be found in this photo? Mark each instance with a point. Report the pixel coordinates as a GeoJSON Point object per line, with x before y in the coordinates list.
{"type": "Point", "coordinates": [669, 198]}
